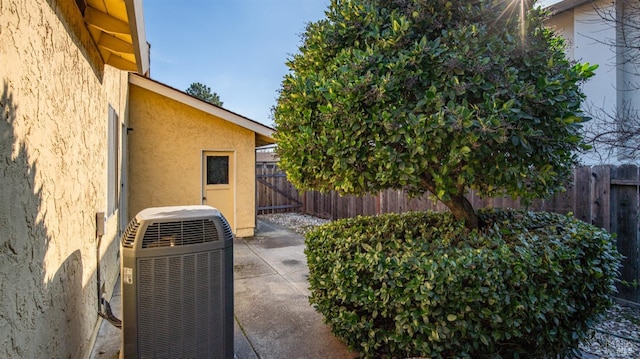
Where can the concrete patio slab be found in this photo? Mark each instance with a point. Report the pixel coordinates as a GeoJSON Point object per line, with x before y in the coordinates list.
{"type": "Point", "coordinates": [247, 264]}
{"type": "Point", "coordinates": [273, 317]}
{"type": "Point", "coordinates": [280, 323]}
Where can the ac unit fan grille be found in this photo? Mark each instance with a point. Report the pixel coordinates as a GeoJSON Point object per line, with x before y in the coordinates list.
{"type": "Point", "coordinates": [171, 234]}
{"type": "Point", "coordinates": [130, 234]}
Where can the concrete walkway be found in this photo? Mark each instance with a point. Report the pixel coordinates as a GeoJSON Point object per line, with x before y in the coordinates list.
{"type": "Point", "coordinates": [273, 317]}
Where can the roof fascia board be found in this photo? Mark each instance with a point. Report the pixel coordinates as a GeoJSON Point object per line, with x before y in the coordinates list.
{"type": "Point", "coordinates": [182, 97]}
{"type": "Point", "coordinates": [563, 5]}
{"type": "Point", "coordinates": [138, 35]}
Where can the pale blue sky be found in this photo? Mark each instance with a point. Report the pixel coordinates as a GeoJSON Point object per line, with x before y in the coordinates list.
{"type": "Point", "coordinates": [236, 47]}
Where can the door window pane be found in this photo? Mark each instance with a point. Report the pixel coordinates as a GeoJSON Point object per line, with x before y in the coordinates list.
{"type": "Point", "coordinates": [217, 169]}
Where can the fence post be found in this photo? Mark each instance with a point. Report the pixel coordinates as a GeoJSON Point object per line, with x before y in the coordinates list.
{"type": "Point", "coordinates": [624, 223]}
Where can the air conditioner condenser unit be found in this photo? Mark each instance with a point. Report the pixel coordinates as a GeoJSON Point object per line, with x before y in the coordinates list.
{"type": "Point", "coordinates": [177, 284]}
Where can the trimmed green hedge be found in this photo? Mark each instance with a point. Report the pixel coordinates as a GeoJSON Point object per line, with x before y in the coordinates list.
{"type": "Point", "coordinates": [420, 284]}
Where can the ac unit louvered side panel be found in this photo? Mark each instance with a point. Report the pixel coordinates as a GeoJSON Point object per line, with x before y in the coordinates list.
{"type": "Point", "coordinates": [175, 306]}
{"type": "Point", "coordinates": [217, 303]}
{"type": "Point", "coordinates": [129, 235]}
{"type": "Point", "coordinates": [180, 306]}
{"type": "Point", "coordinates": [228, 233]}
{"type": "Point", "coordinates": [190, 343]}
{"type": "Point", "coordinates": [202, 325]}
{"type": "Point", "coordinates": [146, 294]}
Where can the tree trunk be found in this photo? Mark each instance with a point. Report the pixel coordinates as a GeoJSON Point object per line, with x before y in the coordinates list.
{"type": "Point", "coordinates": [461, 208]}
{"type": "Point", "coordinates": [458, 204]}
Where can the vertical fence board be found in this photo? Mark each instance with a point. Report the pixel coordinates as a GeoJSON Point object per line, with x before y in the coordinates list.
{"type": "Point", "coordinates": [582, 192]}
{"type": "Point", "coordinates": [373, 205]}
{"type": "Point", "coordinates": [402, 201]}
{"type": "Point", "coordinates": [600, 213]}
{"type": "Point", "coordinates": [624, 222]}
{"type": "Point", "coordinates": [564, 201]}
{"type": "Point", "coordinates": [478, 201]}
{"type": "Point", "coordinates": [396, 201]}
{"type": "Point", "coordinates": [333, 206]}
{"type": "Point", "coordinates": [388, 201]}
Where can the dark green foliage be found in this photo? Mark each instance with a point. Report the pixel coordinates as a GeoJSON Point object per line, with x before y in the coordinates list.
{"type": "Point", "coordinates": [438, 96]}
{"type": "Point", "coordinates": [421, 284]}
{"type": "Point", "coordinates": [204, 93]}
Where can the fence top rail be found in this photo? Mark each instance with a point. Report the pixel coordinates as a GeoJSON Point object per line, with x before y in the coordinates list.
{"type": "Point", "coordinates": [620, 182]}
{"type": "Point", "coordinates": [272, 175]}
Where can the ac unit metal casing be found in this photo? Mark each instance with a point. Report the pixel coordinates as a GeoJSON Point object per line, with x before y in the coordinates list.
{"type": "Point", "coordinates": [177, 284]}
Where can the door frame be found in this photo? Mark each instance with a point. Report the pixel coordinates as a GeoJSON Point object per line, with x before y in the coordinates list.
{"type": "Point", "coordinates": [233, 182]}
{"type": "Point", "coordinates": [124, 178]}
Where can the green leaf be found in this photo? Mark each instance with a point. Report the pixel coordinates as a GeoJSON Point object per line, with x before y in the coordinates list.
{"type": "Point", "coordinates": [484, 339]}
{"type": "Point", "coordinates": [376, 91]}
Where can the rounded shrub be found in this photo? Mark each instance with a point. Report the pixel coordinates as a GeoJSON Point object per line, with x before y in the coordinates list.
{"type": "Point", "coordinates": [421, 284]}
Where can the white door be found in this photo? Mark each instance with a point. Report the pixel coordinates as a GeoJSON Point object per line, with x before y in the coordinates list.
{"type": "Point", "coordinates": [219, 183]}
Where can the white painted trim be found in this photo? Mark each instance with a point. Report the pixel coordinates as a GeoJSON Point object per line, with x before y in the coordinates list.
{"type": "Point", "coordinates": [203, 106]}
{"type": "Point", "coordinates": [562, 5]}
{"type": "Point", "coordinates": [135, 14]}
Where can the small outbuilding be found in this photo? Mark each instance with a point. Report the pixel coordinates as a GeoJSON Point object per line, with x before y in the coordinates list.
{"type": "Point", "coordinates": [185, 151]}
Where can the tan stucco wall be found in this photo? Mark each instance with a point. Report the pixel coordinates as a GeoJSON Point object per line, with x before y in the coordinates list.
{"type": "Point", "coordinates": [53, 152]}
{"type": "Point", "coordinates": [165, 156]}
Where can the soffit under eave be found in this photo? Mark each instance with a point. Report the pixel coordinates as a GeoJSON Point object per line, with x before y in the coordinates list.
{"type": "Point", "coordinates": [110, 26]}
{"type": "Point", "coordinates": [262, 140]}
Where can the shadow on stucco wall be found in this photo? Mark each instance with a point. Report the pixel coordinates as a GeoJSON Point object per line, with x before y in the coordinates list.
{"type": "Point", "coordinates": [62, 321]}
{"type": "Point", "coordinates": [37, 313]}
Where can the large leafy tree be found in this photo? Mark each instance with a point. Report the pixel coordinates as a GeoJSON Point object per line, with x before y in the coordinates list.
{"type": "Point", "coordinates": [430, 95]}
{"type": "Point", "coordinates": [204, 93]}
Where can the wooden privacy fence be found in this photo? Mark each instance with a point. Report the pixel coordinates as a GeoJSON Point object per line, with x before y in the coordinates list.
{"type": "Point", "coordinates": [274, 193]}
{"type": "Point", "coordinates": [605, 196]}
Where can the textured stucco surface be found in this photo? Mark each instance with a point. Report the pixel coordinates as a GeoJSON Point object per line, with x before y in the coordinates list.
{"type": "Point", "coordinates": [589, 39]}
{"type": "Point", "coordinates": [54, 102]}
{"type": "Point", "coordinates": [165, 155]}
